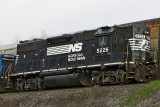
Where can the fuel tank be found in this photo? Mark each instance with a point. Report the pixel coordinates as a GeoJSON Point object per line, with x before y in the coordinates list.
{"type": "Point", "coordinates": [54, 73]}
{"type": "Point", "coordinates": [68, 80]}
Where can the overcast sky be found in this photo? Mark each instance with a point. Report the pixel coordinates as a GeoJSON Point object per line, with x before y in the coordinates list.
{"type": "Point", "coordinates": [25, 19]}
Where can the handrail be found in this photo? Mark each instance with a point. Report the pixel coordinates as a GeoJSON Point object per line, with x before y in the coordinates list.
{"type": "Point", "coordinates": [8, 71]}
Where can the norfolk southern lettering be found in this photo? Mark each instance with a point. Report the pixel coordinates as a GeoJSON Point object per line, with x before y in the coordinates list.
{"type": "Point", "coordinates": [77, 47]}
{"type": "Point", "coordinates": [76, 57]}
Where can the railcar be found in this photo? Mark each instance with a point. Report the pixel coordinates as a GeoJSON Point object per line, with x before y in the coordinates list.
{"type": "Point", "coordinates": [6, 68]}
{"type": "Point", "coordinates": [107, 55]}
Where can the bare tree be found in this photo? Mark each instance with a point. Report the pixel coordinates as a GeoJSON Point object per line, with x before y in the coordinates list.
{"type": "Point", "coordinates": [43, 35]}
{"type": "Point", "coordinates": [16, 40]}
{"type": "Point", "coordinates": [33, 37]}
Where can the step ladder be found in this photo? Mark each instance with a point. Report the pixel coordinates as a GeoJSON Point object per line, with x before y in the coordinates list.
{"type": "Point", "coordinates": [7, 76]}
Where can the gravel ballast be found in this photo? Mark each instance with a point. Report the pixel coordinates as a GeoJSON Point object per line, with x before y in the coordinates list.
{"type": "Point", "coordinates": [106, 96]}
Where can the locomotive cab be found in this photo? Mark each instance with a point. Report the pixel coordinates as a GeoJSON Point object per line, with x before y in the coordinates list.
{"type": "Point", "coordinates": [123, 52]}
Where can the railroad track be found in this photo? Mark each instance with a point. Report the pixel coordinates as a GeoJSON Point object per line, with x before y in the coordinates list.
{"type": "Point", "coordinates": [111, 95]}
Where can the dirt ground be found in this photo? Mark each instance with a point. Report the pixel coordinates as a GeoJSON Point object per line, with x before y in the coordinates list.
{"type": "Point", "coordinates": [106, 96]}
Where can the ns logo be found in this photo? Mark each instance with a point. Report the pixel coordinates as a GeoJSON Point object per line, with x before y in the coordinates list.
{"type": "Point", "coordinates": [77, 47]}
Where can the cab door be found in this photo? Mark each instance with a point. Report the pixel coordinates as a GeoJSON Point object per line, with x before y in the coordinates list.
{"type": "Point", "coordinates": [103, 45]}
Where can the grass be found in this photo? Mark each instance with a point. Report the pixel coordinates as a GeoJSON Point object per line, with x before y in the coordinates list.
{"type": "Point", "coordinates": [96, 86]}
{"type": "Point", "coordinates": [142, 93]}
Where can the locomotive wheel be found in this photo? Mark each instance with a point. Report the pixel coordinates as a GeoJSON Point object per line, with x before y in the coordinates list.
{"type": "Point", "coordinates": [100, 81]}
{"type": "Point", "coordinates": [22, 88]}
{"type": "Point", "coordinates": [43, 86]}
{"type": "Point", "coordinates": [124, 80]}
{"type": "Point", "coordinates": [122, 77]}
{"type": "Point", "coordinates": [112, 79]}
{"type": "Point", "coordinates": [85, 79]}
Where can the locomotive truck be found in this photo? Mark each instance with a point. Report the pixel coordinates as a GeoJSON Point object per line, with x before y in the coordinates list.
{"type": "Point", "coordinates": [107, 55]}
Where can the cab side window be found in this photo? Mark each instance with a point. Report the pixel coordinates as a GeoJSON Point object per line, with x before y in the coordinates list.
{"type": "Point", "coordinates": [117, 41]}
{"type": "Point", "coordinates": [102, 40]}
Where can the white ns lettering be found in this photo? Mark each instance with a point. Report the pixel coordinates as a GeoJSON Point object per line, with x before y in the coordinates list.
{"type": "Point", "coordinates": [76, 47]}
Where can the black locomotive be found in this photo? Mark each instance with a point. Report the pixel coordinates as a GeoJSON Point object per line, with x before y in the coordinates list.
{"type": "Point", "coordinates": [107, 55]}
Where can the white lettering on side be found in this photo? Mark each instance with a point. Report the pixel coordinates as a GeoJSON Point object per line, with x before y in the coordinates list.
{"type": "Point", "coordinates": [78, 47]}
{"type": "Point", "coordinates": [76, 57]}
{"type": "Point", "coordinates": [140, 36]}
{"type": "Point", "coordinates": [102, 50]}
{"type": "Point", "coordinates": [63, 49]}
